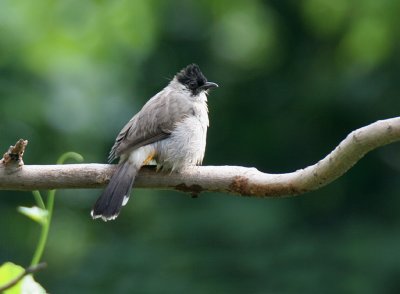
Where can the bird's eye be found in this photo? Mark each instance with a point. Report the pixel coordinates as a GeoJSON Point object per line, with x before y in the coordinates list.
{"type": "Point", "coordinates": [192, 85]}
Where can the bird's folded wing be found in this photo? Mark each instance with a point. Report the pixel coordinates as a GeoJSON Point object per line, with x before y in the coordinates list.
{"type": "Point", "coordinates": [153, 123]}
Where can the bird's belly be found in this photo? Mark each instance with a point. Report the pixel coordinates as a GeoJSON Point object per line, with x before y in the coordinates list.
{"type": "Point", "coordinates": [184, 147]}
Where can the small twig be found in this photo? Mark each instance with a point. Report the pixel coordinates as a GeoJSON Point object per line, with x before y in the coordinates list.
{"type": "Point", "coordinates": [29, 270]}
{"type": "Point", "coordinates": [14, 154]}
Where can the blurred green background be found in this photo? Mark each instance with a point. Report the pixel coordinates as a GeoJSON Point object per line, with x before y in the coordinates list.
{"type": "Point", "coordinates": [295, 78]}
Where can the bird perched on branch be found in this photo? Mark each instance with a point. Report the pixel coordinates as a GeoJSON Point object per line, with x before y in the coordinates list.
{"type": "Point", "coordinates": [171, 129]}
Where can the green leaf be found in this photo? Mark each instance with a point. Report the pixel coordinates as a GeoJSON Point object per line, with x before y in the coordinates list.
{"type": "Point", "coordinates": [35, 213]}
{"type": "Point", "coordinates": [10, 271]}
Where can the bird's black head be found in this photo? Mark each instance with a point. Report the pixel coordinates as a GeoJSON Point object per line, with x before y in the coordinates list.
{"type": "Point", "coordinates": [192, 77]}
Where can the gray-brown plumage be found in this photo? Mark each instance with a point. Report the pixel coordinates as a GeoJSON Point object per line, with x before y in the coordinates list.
{"type": "Point", "coordinates": [171, 129]}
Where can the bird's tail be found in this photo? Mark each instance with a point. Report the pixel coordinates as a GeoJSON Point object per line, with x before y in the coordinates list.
{"type": "Point", "coordinates": [117, 192]}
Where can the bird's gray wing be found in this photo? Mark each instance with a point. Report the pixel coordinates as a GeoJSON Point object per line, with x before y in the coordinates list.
{"type": "Point", "coordinates": [154, 122]}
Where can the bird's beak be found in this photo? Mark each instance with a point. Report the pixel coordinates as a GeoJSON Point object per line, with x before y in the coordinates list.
{"type": "Point", "coordinates": [209, 85]}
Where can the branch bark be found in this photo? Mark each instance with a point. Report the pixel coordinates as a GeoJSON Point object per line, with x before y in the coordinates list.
{"type": "Point", "coordinates": [228, 179]}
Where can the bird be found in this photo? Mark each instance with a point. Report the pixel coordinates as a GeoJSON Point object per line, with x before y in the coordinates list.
{"type": "Point", "coordinates": [170, 129]}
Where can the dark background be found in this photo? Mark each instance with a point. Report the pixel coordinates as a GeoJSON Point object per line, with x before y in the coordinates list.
{"type": "Point", "coordinates": [295, 78]}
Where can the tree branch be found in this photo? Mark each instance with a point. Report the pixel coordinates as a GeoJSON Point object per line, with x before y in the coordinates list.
{"type": "Point", "coordinates": [227, 179]}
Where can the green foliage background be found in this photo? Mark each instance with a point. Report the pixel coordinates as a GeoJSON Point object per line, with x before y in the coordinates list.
{"type": "Point", "coordinates": [295, 77]}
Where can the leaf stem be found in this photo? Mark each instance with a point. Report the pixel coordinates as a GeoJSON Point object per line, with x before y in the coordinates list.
{"type": "Point", "coordinates": [45, 229]}
{"type": "Point", "coordinates": [38, 199]}
{"type": "Point", "coordinates": [49, 207]}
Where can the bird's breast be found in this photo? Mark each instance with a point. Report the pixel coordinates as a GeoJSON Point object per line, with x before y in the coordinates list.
{"type": "Point", "coordinates": [187, 142]}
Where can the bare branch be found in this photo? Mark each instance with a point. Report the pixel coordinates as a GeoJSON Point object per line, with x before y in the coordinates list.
{"type": "Point", "coordinates": [228, 179]}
